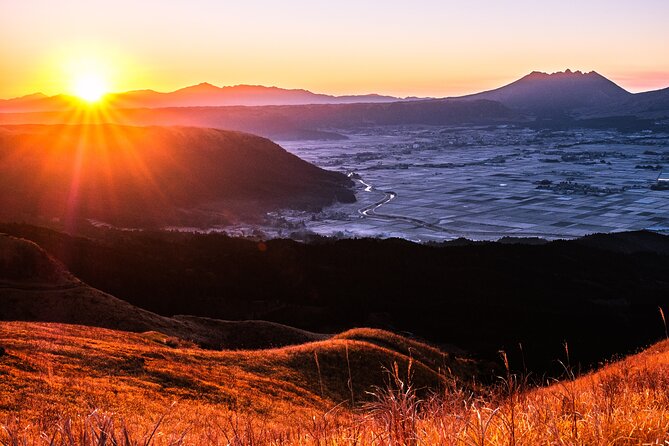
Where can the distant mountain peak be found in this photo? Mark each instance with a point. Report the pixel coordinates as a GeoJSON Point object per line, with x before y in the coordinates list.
{"type": "Point", "coordinates": [39, 95]}
{"type": "Point", "coordinates": [202, 86]}
{"type": "Point", "coordinates": [559, 92]}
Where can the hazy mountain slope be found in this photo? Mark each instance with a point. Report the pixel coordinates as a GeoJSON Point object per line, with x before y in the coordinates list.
{"type": "Point", "coordinates": [209, 95]}
{"type": "Point", "coordinates": [37, 102]}
{"type": "Point", "coordinates": [647, 104]}
{"type": "Point", "coordinates": [201, 95]}
{"type": "Point", "coordinates": [154, 176]}
{"type": "Point", "coordinates": [558, 92]}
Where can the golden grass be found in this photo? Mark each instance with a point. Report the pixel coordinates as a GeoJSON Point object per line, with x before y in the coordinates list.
{"type": "Point", "coordinates": [69, 385]}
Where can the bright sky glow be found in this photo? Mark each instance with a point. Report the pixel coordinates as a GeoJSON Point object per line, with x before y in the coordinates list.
{"type": "Point", "coordinates": [422, 47]}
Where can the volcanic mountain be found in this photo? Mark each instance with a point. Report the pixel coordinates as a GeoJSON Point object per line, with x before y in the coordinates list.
{"type": "Point", "coordinates": [154, 176]}
{"type": "Point", "coordinates": [542, 93]}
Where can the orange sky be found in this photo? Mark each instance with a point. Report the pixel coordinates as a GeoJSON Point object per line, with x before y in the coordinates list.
{"type": "Point", "coordinates": [423, 47]}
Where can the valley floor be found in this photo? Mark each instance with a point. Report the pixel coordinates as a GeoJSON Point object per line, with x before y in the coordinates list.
{"type": "Point", "coordinates": [485, 183]}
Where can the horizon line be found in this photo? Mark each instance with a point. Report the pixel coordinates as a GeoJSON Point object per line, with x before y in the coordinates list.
{"type": "Point", "coordinates": [338, 95]}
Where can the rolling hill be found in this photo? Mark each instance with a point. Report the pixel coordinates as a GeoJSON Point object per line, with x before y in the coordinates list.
{"type": "Point", "coordinates": [154, 176]}
{"type": "Point", "coordinates": [142, 363]}
{"type": "Point", "coordinates": [52, 372]}
{"type": "Point", "coordinates": [482, 297]}
{"type": "Point", "coordinates": [36, 287]}
{"type": "Point", "coordinates": [63, 383]}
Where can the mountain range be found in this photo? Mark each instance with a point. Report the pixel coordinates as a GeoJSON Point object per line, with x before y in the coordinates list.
{"type": "Point", "coordinates": [201, 95]}
{"type": "Point", "coordinates": [564, 99]}
{"type": "Point", "coordinates": [535, 93]}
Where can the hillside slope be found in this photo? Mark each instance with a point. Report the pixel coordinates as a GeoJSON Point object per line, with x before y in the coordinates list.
{"type": "Point", "coordinates": [154, 176]}
{"type": "Point", "coordinates": [481, 297]}
{"type": "Point", "coordinates": [36, 287]}
{"type": "Point", "coordinates": [67, 368]}
{"type": "Point", "coordinates": [60, 381]}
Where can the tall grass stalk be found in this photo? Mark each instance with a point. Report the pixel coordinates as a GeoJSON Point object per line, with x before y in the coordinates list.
{"type": "Point", "coordinates": [350, 377]}
{"type": "Point", "coordinates": [664, 321]}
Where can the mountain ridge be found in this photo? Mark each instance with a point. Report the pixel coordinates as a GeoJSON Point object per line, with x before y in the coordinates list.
{"type": "Point", "coordinates": [563, 93]}
{"type": "Point", "coordinates": [202, 94]}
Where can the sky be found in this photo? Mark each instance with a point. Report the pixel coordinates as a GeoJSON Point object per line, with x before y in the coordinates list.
{"type": "Point", "coordinates": [404, 48]}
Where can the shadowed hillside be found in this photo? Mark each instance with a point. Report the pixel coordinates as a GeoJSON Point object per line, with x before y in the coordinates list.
{"type": "Point", "coordinates": [154, 176]}
{"type": "Point", "coordinates": [481, 297]}
{"type": "Point", "coordinates": [36, 287]}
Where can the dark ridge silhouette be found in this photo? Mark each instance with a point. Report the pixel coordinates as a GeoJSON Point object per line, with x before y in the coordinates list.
{"type": "Point", "coordinates": [561, 92]}
{"type": "Point", "coordinates": [154, 176]}
{"type": "Point", "coordinates": [600, 294]}
{"type": "Point", "coordinates": [36, 287]}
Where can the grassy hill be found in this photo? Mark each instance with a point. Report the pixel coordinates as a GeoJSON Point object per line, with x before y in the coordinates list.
{"type": "Point", "coordinates": [66, 384]}
{"type": "Point", "coordinates": [149, 381]}
{"type": "Point", "coordinates": [55, 371]}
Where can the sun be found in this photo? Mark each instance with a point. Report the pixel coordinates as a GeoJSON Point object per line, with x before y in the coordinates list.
{"type": "Point", "coordinates": [90, 87]}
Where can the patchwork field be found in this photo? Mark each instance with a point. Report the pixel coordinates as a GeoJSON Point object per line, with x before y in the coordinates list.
{"type": "Point", "coordinates": [486, 183]}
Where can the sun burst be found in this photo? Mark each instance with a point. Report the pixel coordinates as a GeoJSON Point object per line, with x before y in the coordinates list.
{"type": "Point", "coordinates": [90, 87]}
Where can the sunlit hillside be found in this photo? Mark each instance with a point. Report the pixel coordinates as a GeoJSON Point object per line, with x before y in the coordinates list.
{"type": "Point", "coordinates": [54, 372]}
{"type": "Point", "coordinates": [71, 385]}
{"type": "Point", "coordinates": [154, 176]}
